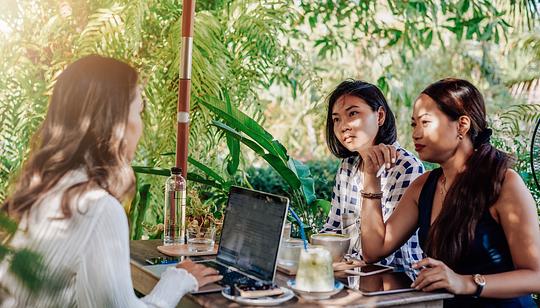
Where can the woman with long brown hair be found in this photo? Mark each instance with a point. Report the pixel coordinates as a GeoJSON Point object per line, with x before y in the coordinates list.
{"type": "Point", "coordinates": [67, 197]}
{"type": "Point", "coordinates": [477, 220]}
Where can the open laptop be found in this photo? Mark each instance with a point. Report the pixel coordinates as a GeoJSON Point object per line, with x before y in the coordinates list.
{"type": "Point", "coordinates": [250, 238]}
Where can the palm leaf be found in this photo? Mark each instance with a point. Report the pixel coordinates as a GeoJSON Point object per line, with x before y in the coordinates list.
{"type": "Point", "coordinates": [242, 122]}
{"type": "Point", "coordinates": [237, 135]}
{"type": "Point", "coordinates": [276, 162]}
{"type": "Point", "coordinates": [207, 170]}
{"type": "Point", "coordinates": [308, 184]}
{"type": "Point", "coordinates": [138, 210]}
{"type": "Point", "coordinates": [218, 183]}
{"type": "Point", "coordinates": [232, 143]}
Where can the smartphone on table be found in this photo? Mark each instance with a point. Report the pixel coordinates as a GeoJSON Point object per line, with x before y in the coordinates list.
{"type": "Point", "coordinates": [369, 269]}
{"type": "Point", "coordinates": [162, 260]}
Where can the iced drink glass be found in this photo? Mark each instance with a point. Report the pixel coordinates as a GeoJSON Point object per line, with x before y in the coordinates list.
{"type": "Point", "coordinates": [315, 272]}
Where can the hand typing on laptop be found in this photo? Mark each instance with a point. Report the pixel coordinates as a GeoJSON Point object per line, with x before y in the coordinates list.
{"type": "Point", "coordinates": [203, 274]}
{"type": "Point", "coordinates": [250, 239]}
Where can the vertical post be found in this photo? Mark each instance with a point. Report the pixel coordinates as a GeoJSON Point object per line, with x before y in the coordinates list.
{"type": "Point", "coordinates": [184, 86]}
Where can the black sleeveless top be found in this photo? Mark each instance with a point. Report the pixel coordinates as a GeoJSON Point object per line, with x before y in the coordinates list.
{"type": "Point", "coordinates": [488, 253]}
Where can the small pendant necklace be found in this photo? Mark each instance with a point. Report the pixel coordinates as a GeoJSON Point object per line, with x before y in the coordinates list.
{"type": "Point", "coordinates": [443, 186]}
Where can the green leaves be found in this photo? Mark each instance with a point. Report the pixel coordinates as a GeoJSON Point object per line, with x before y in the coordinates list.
{"type": "Point", "coordinates": [429, 38]}
{"type": "Point", "coordinates": [102, 30]}
{"type": "Point", "coordinates": [325, 205]}
{"type": "Point", "coordinates": [463, 6]}
{"type": "Point", "coordinates": [242, 122]}
{"type": "Point", "coordinates": [233, 144]}
{"type": "Point", "coordinates": [6, 224]}
{"type": "Point", "coordinates": [28, 267]}
{"type": "Point", "coordinates": [245, 130]}
{"type": "Point", "coordinates": [214, 180]}
{"type": "Point", "coordinates": [308, 185]}
{"type": "Point", "coordinates": [514, 117]}
{"type": "Point", "coordinates": [275, 161]}
{"type": "Point", "coordinates": [152, 170]}
{"type": "Point", "coordinates": [7, 228]}
{"type": "Point", "coordinates": [411, 23]}
{"type": "Point", "coordinates": [138, 209]}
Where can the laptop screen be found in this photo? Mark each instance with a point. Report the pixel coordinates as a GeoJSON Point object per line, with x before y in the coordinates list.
{"type": "Point", "coordinates": [251, 232]}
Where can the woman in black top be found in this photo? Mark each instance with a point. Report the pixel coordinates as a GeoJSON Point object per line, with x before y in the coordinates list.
{"type": "Point", "coordinates": [477, 220]}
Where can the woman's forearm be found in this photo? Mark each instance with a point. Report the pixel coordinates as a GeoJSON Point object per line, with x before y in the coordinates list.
{"type": "Point", "coordinates": [373, 228]}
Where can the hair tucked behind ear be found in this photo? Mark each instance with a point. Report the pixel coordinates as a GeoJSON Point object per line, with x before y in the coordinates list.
{"type": "Point", "coordinates": [477, 188]}
{"type": "Point", "coordinates": [84, 128]}
{"type": "Point", "coordinates": [374, 98]}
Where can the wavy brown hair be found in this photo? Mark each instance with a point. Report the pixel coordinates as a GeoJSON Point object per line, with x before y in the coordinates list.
{"type": "Point", "coordinates": [83, 129]}
{"type": "Point", "coordinates": [475, 189]}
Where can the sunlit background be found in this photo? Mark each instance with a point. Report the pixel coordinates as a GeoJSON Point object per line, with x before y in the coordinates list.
{"type": "Point", "coordinates": [276, 61]}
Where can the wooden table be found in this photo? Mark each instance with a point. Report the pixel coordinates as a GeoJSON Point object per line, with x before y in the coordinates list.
{"type": "Point", "coordinates": [144, 281]}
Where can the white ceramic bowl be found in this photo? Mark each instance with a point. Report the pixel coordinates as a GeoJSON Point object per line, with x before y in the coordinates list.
{"type": "Point", "coordinates": [337, 244]}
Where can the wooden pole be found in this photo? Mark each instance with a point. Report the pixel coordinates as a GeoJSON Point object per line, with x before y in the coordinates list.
{"type": "Point", "coordinates": [184, 86]}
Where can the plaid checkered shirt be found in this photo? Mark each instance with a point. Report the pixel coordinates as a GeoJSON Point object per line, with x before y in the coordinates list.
{"type": "Point", "coordinates": [344, 217]}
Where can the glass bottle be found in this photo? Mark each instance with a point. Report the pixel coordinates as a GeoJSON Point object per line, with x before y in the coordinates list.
{"type": "Point", "coordinates": [174, 212]}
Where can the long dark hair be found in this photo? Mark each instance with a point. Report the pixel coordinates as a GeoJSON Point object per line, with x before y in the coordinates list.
{"type": "Point", "coordinates": [84, 128]}
{"type": "Point", "coordinates": [375, 99]}
{"type": "Point", "coordinates": [477, 188]}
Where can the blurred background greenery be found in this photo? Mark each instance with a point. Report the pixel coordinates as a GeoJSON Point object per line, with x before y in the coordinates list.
{"type": "Point", "coordinates": [269, 64]}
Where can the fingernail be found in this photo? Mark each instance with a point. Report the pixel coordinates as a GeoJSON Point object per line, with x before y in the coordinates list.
{"type": "Point", "coordinates": [412, 285]}
{"type": "Point", "coordinates": [415, 265]}
{"type": "Point", "coordinates": [387, 165]}
{"type": "Point", "coordinates": [393, 160]}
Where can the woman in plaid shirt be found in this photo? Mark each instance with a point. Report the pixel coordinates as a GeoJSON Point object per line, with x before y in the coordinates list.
{"type": "Point", "coordinates": [359, 117]}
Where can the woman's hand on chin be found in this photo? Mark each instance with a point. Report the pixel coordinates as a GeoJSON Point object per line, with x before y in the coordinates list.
{"type": "Point", "coordinates": [377, 156]}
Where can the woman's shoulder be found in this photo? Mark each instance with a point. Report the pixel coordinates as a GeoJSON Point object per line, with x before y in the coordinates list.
{"type": "Point", "coordinates": [511, 177]}
{"type": "Point", "coordinates": [515, 202]}
{"type": "Point", "coordinates": [512, 184]}
{"type": "Point", "coordinates": [513, 189]}
{"type": "Point", "coordinates": [97, 200]}
{"type": "Point", "coordinates": [407, 159]}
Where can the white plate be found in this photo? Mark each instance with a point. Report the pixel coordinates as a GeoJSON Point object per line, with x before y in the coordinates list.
{"type": "Point", "coordinates": [261, 301]}
{"type": "Point", "coordinates": [338, 286]}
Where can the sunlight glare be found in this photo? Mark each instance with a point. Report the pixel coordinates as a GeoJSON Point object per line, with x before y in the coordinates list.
{"type": "Point", "coordinates": [5, 28]}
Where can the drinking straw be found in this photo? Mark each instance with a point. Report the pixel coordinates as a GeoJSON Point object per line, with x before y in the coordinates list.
{"type": "Point", "coordinates": [299, 221]}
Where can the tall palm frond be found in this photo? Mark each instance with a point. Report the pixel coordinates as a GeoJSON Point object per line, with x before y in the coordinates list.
{"type": "Point", "coordinates": [523, 14]}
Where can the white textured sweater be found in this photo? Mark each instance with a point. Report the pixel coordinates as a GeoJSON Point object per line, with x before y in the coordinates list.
{"type": "Point", "coordinates": [88, 254]}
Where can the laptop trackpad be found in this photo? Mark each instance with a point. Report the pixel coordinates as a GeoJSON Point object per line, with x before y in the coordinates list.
{"type": "Point", "coordinates": [209, 288]}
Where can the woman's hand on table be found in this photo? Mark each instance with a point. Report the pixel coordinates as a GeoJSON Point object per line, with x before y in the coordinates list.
{"type": "Point", "coordinates": [203, 274]}
{"type": "Point", "coordinates": [434, 275]}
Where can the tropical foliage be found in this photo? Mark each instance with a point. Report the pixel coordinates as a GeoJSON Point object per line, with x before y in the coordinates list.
{"type": "Point", "coordinates": [261, 71]}
{"type": "Point", "coordinates": [269, 63]}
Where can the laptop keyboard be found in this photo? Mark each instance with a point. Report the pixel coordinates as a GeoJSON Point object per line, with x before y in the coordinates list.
{"type": "Point", "coordinates": [230, 277]}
